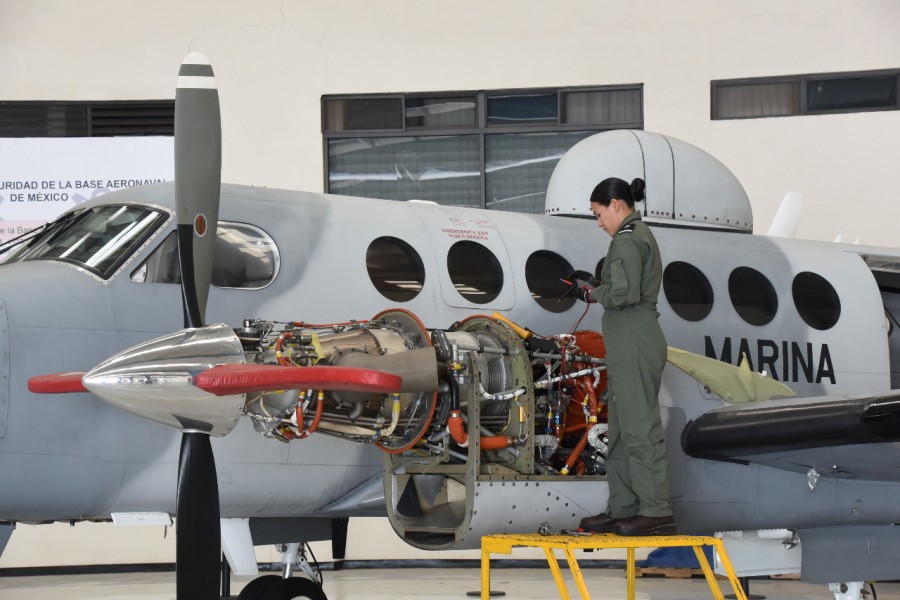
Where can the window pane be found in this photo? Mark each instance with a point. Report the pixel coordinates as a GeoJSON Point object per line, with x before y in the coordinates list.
{"type": "Point", "coordinates": [395, 268]}
{"type": "Point", "coordinates": [544, 271]}
{"type": "Point", "coordinates": [98, 239]}
{"type": "Point", "coordinates": [132, 118]}
{"type": "Point", "coordinates": [444, 169]}
{"type": "Point", "coordinates": [245, 257]}
{"type": "Point", "coordinates": [687, 291]}
{"type": "Point", "coordinates": [757, 100]}
{"type": "Point", "coordinates": [456, 111]}
{"type": "Point", "coordinates": [816, 300]}
{"type": "Point", "coordinates": [601, 107]}
{"type": "Point", "coordinates": [527, 109]}
{"type": "Point", "coordinates": [752, 295]}
{"type": "Point", "coordinates": [363, 113]}
{"type": "Point", "coordinates": [42, 120]}
{"type": "Point", "coordinates": [518, 167]}
{"type": "Point", "coordinates": [850, 93]}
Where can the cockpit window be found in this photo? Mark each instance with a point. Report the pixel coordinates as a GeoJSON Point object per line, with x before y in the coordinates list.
{"type": "Point", "coordinates": [245, 258]}
{"type": "Point", "coordinates": [99, 239]}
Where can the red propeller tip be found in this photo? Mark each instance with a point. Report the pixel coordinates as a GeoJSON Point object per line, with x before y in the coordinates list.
{"type": "Point", "coordinates": [57, 383]}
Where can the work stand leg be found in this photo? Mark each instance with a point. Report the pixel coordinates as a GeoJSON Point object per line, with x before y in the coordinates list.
{"type": "Point", "coordinates": [576, 574]}
{"type": "Point", "coordinates": [557, 574]}
{"type": "Point", "coordinates": [719, 546]}
{"type": "Point", "coordinates": [485, 574]}
{"type": "Point", "coordinates": [630, 572]}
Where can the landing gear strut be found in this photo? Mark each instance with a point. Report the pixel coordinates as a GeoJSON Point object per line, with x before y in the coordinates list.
{"type": "Point", "coordinates": [287, 587]}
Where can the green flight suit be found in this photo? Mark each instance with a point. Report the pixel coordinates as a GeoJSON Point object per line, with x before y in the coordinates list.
{"type": "Point", "coordinates": [636, 466]}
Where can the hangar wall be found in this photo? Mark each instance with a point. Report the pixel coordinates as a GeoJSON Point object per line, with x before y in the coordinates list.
{"type": "Point", "coordinates": [274, 59]}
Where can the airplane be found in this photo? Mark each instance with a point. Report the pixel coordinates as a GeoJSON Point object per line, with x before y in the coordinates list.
{"type": "Point", "coordinates": [422, 361]}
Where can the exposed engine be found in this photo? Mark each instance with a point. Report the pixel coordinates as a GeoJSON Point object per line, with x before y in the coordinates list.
{"type": "Point", "coordinates": [483, 401]}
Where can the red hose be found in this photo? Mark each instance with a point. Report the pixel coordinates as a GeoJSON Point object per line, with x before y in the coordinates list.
{"type": "Point", "coordinates": [489, 442]}
{"type": "Point", "coordinates": [278, 343]}
{"type": "Point", "coordinates": [457, 428]}
{"type": "Point", "coordinates": [495, 442]}
{"type": "Point", "coordinates": [576, 453]}
{"type": "Point", "coordinates": [320, 404]}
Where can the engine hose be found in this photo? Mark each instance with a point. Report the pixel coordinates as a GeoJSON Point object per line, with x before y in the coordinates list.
{"type": "Point", "coordinates": [327, 325]}
{"type": "Point", "coordinates": [457, 430]}
{"type": "Point", "coordinates": [453, 388]}
{"type": "Point", "coordinates": [375, 434]}
{"type": "Point", "coordinates": [548, 382]}
{"type": "Point", "coordinates": [395, 415]}
{"type": "Point", "coordinates": [576, 452]}
{"type": "Point", "coordinates": [320, 405]}
{"type": "Point", "coordinates": [590, 395]}
{"type": "Point", "coordinates": [507, 395]}
{"type": "Point", "coordinates": [278, 344]}
{"type": "Point", "coordinates": [495, 442]}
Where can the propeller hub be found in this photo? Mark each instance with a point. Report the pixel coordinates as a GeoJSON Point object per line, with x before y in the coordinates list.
{"type": "Point", "coordinates": [155, 380]}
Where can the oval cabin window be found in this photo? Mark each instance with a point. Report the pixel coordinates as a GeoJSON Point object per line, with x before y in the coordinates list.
{"type": "Point", "coordinates": [816, 300]}
{"type": "Point", "coordinates": [246, 257]}
{"type": "Point", "coordinates": [687, 291]}
{"type": "Point", "coordinates": [544, 271]}
{"type": "Point", "coordinates": [475, 272]}
{"type": "Point", "coordinates": [395, 268]}
{"type": "Point", "coordinates": [752, 295]}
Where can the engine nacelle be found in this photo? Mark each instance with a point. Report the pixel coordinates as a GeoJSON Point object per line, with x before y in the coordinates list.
{"type": "Point", "coordinates": [493, 429]}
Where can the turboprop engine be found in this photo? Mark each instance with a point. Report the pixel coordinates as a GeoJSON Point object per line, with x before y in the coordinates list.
{"type": "Point", "coordinates": [487, 428]}
{"type": "Point", "coordinates": [492, 429]}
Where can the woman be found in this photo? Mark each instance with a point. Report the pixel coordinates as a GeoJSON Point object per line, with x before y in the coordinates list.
{"type": "Point", "coordinates": [636, 466]}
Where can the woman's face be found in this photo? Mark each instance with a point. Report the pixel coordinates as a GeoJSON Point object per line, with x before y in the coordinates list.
{"type": "Point", "coordinates": [609, 218]}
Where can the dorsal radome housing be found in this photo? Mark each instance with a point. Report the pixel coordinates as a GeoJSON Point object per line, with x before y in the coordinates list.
{"type": "Point", "coordinates": [686, 187]}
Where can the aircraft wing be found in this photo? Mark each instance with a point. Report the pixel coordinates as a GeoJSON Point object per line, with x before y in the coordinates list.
{"type": "Point", "coordinates": [853, 437]}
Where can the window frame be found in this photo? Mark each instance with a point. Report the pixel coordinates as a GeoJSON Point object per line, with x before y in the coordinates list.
{"type": "Point", "coordinates": [163, 111]}
{"type": "Point", "coordinates": [481, 128]}
{"type": "Point", "coordinates": [415, 259]}
{"type": "Point", "coordinates": [803, 80]}
{"type": "Point", "coordinates": [235, 225]}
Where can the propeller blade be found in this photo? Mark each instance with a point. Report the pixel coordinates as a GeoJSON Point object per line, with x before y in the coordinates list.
{"type": "Point", "coordinates": [224, 380]}
{"type": "Point", "coordinates": [198, 544]}
{"type": "Point", "coordinates": [198, 176]}
{"type": "Point", "coordinates": [198, 179]}
{"type": "Point", "coordinates": [57, 383]}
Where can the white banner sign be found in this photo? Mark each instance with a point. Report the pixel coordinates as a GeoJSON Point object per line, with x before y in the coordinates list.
{"type": "Point", "coordinates": [42, 177]}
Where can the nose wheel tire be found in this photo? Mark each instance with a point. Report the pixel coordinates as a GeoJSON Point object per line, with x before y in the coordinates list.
{"type": "Point", "coordinates": [257, 588]}
{"type": "Point", "coordinates": [295, 588]}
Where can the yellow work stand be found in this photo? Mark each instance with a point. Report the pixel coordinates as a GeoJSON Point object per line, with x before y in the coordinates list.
{"type": "Point", "coordinates": [504, 544]}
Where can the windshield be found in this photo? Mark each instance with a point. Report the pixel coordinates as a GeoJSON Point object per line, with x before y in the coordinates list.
{"type": "Point", "coordinates": [99, 239]}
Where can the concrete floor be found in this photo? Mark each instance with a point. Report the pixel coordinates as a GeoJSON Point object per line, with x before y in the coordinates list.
{"type": "Point", "coordinates": [384, 584]}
